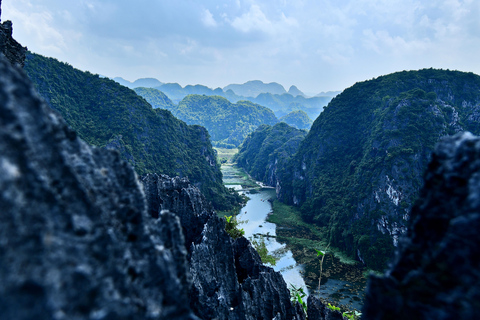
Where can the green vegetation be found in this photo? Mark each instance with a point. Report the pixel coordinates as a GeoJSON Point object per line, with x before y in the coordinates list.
{"type": "Point", "coordinates": [228, 124]}
{"type": "Point", "coordinates": [106, 114]}
{"type": "Point", "coordinates": [364, 157]}
{"type": "Point", "coordinates": [332, 307]}
{"type": "Point", "coordinates": [352, 315]}
{"type": "Point", "coordinates": [308, 242]}
{"type": "Point", "coordinates": [298, 119]}
{"type": "Point", "coordinates": [322, 254]}
{"type": "Point", "coordinates": [226, 153]}
{"type": "Point", "coordinates": [261, 248]}
{"type": "Point", "coordinates": [297, 295]}
{"type": "Point", "coordinates": [267, 149]}
{"type": "Point", "coordinates": [156, 98]}
{"type": "Point", "coordinates": [231, 226]}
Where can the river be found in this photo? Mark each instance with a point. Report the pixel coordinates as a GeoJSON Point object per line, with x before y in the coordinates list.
{"type": "Point", "coordinates": [342, 284]}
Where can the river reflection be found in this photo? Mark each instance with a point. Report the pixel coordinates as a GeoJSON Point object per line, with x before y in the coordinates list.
{"type": "Point", "coordinates": [252, 218]}
{"type": "Point", "coordinates": [341, 283]}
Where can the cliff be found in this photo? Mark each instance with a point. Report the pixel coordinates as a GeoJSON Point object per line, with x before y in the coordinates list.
{"type": "Point", "coordinates": [12, 50]}
{"type": "Point", "coordinates": [359, 170]}
{"type": "Point", "coordinates": [435, 272]}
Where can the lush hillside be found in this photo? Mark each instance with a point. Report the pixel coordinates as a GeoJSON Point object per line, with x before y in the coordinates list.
{"type": "Point", "coordinates": [106, 114]}
{"type": "Point", "coordinates": [298, 119]}
{"type": "Point", "coordinates": [228, 124]}
{"type": "Point", "coordinates": [267, 149]}
{"type": "Point", "coordinates": [359, 170]}
{"type": "Point", "coordinates": [156, 98]}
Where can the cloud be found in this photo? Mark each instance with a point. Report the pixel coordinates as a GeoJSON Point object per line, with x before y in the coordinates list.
{"type": "Point", "coordinates": [253, 20]}
{"type": "Point", "coordinates": [322, 44]}
{"type": "Point", "coordinates": [207, 19]}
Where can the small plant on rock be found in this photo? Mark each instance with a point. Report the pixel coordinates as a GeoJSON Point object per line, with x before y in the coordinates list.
{"type": "Point", "coordinates": [231, 226]}
{"type": "Point", "coordinates": [332, 307]}
{"type": "Point", "coordinates": [296, 295]}
{"type": "Point", "coordinates": [321, 254]}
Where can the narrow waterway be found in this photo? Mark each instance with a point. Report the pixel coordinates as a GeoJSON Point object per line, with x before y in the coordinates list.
{"type": "Point", "coordinates": [342, 284]}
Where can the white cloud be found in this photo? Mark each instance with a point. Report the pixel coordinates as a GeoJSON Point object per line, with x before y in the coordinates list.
{"type": "Point", "coordinates": [253, 20]}
{"type": "Point", "coordinates": [207, 19]}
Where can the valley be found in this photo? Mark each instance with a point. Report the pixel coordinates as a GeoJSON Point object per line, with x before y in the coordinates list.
{"type": "Point", "coordinates": [290, 243]}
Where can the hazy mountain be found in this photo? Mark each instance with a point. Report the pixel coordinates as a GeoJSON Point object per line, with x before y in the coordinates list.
{"type": "Point", "coordinates": [295, 92]}
{"type": "Point", "coordinates": [253, 88]}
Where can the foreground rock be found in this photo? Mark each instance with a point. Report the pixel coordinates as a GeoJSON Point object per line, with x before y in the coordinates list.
{"type": "Point", "coordinates": [229, 279]}
{"type": "Point", "coordinates": [435, 274]}
{"type": "Point", "coordinates": [75, 238]}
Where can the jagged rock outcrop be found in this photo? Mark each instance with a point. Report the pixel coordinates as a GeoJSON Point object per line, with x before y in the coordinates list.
{"type": "Point", "coordinates": [13, 50]}
{"type": "Point", "coordinates": [319, 311]}
{"type": "Point", "coordinates": [435, 273]}
{"type": "Point", "coordinates": [76, 241]}
{"type": "Point", "coordinates": [229, 279]}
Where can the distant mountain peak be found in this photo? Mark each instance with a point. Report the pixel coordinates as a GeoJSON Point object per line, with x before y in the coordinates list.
{"type": "Point", "coordinates": [253, 88]}
{"type": "Point", "coordinates": [142, 82]}
{"type": "Point", "coordinates": [294, 91]}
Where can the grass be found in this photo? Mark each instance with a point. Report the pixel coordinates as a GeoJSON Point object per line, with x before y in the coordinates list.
{"type": "Point", "coordinates": [310, 237]}
{"type": "Point", "coordinates": [226, 153]}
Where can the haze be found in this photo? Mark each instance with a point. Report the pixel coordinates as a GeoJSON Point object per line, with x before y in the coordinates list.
{"type": "Point", "coordinates": [315, 45]}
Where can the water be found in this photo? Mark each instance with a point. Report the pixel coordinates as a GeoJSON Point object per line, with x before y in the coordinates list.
{"type": "Point", "coordinates": [252, 219]}
{"type": "Point", "coordinates": [342, 284]}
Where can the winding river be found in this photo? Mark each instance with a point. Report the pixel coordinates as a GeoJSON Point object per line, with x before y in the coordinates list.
{"type": "Point", "coordinates": [342, 284]}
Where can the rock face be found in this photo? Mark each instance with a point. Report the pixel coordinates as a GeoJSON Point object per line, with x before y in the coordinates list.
{"type": "Point", "coordinates": [76, 241]}
{"type": "Point", "coordinates": [13, 50]}
{"type": "Point", "coordinates": [435, 273]}
{"type": "Point", "coordinates": [229, 279]}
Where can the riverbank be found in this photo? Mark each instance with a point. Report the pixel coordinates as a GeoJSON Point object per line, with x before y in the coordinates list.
{"type": "Point", "coordinates": [289, 244]}
{"type": "Point", "coordinates": [343, 279]}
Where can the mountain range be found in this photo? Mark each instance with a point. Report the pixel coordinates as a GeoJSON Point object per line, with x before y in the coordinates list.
{"type": "Point", "coordinates": [271, 95]}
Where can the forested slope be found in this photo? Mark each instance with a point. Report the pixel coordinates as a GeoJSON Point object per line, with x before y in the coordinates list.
{"type": "Point", "coordinates": [267, 150]}
{"type": "Point", "coordinates": [228, 123]}
{"type": "Point", "coordinates": [106, 114]}
{"type": "Point", "coordinates": [359, 169]}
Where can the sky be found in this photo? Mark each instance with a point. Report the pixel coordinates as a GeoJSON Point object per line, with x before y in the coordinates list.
{"type": "Point", "coordinates": [317, 45]}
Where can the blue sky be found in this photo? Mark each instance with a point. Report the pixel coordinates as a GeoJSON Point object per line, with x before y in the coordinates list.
{"type": "Point", "coordinates": [316, 45]}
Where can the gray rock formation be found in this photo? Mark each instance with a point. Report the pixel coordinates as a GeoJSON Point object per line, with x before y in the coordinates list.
{"type": "Point", "coordinates": [76, 241]}
{"type": "Point", "coordinates": [318, 311]}
{"type": "Point", "coordinates": [13, 50]}
{"type": "Point", "coordinates": [229, 279]}
{"type": "Point", "coordinates": [435, 273]}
